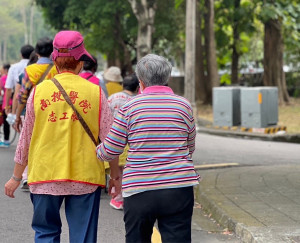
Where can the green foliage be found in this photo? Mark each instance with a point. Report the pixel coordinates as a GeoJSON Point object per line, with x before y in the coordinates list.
{"type": "Point", "coordinates": [108, 25]}
{"type": "Point", "coordinates": [169, 39]}
{"type": "Point", "coordinates": [104, 23]}
{"type": "Point", "coordinates": [288, 13]}
{"type": "Point", "coordinates": [225, 79]}
{"type": "Point", "coordinates": [100, 20]}
{"type": "Point", "coordinates": [226, 17]}
{"type": "Point", "coordinates": [178, 3]}
{"type": "Point", "coordinates": [293, 83]}
{"type": "Point", "coordinates": [13, 30]}
{"type": "Point", "coordinates": [54, 11]}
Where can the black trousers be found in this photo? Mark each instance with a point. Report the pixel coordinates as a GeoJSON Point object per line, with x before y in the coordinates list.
{"type": "Point", "coordinates": [6, 127]}
{"type": "Point", "coordinates": [172, 208]}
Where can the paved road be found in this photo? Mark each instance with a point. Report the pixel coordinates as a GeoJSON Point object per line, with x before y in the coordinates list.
{"type": "Point", "coordinates": [16, 216]}
{"type": "Point", "coordinates": [211, 149]}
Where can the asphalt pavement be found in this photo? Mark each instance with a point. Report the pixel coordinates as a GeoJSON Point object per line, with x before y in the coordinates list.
{"type": "Point", "coordinates": [258, 203]}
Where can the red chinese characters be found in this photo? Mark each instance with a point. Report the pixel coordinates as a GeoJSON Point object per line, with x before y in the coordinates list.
{"type": "Point", "coordinates": [73, 96]}
{"type": "Point", "coordinates": [64, 116]}
{"type": "Point", "coordinates": [57, 96]}
{"type": "Point", "coordinates": [85, 104]}
{"type": "Point", "coordinates": [54, 116]}
{"type": "Point", "coordinates": [45, 104]}
{"type": "Point", "coordinates": [74, 117]}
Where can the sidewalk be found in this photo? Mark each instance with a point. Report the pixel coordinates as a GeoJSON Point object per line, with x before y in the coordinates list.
{"type": "Point", "coordinates": [258, 203]}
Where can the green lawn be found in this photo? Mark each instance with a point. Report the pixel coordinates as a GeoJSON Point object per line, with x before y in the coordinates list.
{"type": "Point", "coordinates": [289, 115]}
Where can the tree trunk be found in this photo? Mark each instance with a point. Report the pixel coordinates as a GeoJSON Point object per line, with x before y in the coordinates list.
{"type": "Point", "coordinates": [235, 54]}
{"type": "Point", "coordinates": [273, 59]}
{"type": "Point", "coordinates": [123, 51]}
{"type": "Point", "coordinates": [190, 54]}
{"type": "Point", "coordinates": [144, 11]}
{"type": "Point", "coordinates": [113, 59]}
{"type": "Point", "coordinates": [201, 85]}
{"type": "Point", "coordinates": [210, 49]}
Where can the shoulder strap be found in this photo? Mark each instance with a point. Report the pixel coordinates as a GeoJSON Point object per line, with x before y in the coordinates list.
{"type": "Point", "coordinates": [45, 73]}
{"type": "Point", "coordinates": [80, 118]}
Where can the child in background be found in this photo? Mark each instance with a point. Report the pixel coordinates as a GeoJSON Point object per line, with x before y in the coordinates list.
{"type": "Point", "coordinates": [115, 101]}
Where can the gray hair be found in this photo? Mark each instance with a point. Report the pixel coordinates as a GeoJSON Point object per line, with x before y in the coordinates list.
{"type": "Point", "coordinates": [153, 70]}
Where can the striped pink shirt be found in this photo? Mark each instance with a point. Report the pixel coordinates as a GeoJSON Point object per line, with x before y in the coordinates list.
{"type": "Point", "coordinates": [160, 130]}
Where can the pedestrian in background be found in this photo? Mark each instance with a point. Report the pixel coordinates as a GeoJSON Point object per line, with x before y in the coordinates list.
{"type": "Point", "coordinates": [159, 175]}
{"type": "Point", "coordinates": [35, 74]}
{"type": "Point", "coordinates": [113, 79]}
{"type": "Point", "coordinates": [88, 72]}
{"type": "Point", "coordinates": [32, 59]}
{"type": "Point", "coordinates": [62, 163]}
{"type": "Point", "coordinates": [115, 102]}
{"type": "Point", "coordinates": [14, 72]}
{"type": "Point", "coordinates": [6, 126]}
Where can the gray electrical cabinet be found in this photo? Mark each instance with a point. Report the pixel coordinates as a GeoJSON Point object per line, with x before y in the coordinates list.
{"type": "Point", "coordinates": [259, 107]}
{"type": "Point", "coordinates": [226, 106]}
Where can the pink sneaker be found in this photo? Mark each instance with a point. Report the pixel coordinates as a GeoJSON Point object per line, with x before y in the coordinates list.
{"type": "Point", "coordinates": [116, 204]}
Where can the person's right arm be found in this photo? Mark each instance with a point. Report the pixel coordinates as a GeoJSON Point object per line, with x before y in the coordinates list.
{"type": "Point", "coordinates": [21, 155]}
{"type": "Point", "coordinates": [113, 145]}
{"type": "Point", "coordinates": [15, 98]}
{"type": "Point", "coordinates": [191, 133]}
{"type": "Point", "coordinates": [22, 99]}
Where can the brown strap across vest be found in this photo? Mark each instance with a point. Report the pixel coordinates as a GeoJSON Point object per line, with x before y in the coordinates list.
{"type": "Point", "coordinates": [80, 118]}
{"type": "Point", "coordinates": [45, 73]}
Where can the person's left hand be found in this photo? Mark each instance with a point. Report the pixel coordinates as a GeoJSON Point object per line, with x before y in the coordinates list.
{"type": "Point", "coordinates": [18, 124]}
{"type": "Point", "coordinates": [10, 187]}
{"type": "Point", "coordinates": [115, 186]}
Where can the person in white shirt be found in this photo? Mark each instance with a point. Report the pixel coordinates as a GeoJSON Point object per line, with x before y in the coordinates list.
{"type": "Point", "coordinates": [14, 72]}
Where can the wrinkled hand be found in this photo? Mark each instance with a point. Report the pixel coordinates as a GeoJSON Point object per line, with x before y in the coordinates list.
{"type": "Point", "coordinates": [115, 187]}
{"type": "Point", "coordinates": [10, 187]}
{"type": "Point", "coordinates": [18, 124]}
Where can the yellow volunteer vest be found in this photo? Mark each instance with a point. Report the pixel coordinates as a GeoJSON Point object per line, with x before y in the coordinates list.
{"type": "Point", "coordinates": [35, 71]}
{"type": "Point", "coordinates": [60, 149]}
{"type": "Point", "coordinates": [113, 87]}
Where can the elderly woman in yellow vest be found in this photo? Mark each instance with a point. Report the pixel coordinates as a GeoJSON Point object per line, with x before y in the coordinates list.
{"type": "Point", "coordinates": [62, 163]}
{"type": "Point", "coordinates": [34, 74]}
{"type": "Point", "coordinates": [113, 79]}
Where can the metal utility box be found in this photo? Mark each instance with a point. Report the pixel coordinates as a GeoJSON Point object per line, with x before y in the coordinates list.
{"type": "Point", "coordinates": [226, 106]}
{"type": "Point", "coordinates": [259, 107]}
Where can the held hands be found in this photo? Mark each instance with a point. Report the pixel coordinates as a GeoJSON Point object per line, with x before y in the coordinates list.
{"type": "Point", "coordinates": [115, 185]}
{"type": "Point", "coordinates": [10, 187]}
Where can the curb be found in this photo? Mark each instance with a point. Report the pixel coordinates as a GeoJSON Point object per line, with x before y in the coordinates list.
{"type": "Point", "coordinates": [289, 138]}
{"type": "Point", "coordinates": [222, 218]}
{"type": "Point", "coordinates": [267, 130]}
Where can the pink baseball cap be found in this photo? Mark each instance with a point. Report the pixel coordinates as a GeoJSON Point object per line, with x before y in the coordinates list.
{"type": "Point", "coordinates": [73, 41]}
